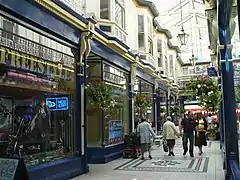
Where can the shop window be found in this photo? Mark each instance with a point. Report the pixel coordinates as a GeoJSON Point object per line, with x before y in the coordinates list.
{"type": "Point", "coordinates": [116, 122]}
{"type": "Point", "coordinates": [144, 92]}
{"type": "Point", "coordinates": [120, 13]}
{"type": "Point", "coordinates": [94, 115]}
{"type": "Point", "coordinates": [104, 9]}
{"type": "Point", "coordinates": [119, 115]}
{"type": "Point", "coordinates": [40, 92]}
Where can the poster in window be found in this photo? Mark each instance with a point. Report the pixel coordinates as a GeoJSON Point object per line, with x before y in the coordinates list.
{"type": "Point", "coordinates": [115, 131]}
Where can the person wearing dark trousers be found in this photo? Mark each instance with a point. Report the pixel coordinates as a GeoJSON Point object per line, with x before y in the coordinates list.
{"type": "Point", "coordinates": [189, 126]}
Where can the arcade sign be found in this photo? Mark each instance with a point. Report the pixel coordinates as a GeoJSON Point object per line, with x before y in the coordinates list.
{"type": "Point", "coordinates": [57, 104]}
{"type": "Point", "coordinates": [212, 71]}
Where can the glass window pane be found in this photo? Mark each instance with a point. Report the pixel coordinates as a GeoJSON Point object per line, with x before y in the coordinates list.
{"type": "Point", "coordinates": [104, 9]}
{"type": "Point", "coordinates": [141, 42]}
{"type": "Point", "coordinates": [94, 115]}
{"type": "Point", "coordinates": [43, 122]}
{"type": "Point", "coordinates": [119, 14]}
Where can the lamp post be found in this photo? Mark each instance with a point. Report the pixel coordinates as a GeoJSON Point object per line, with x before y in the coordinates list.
{"type": "Point", "coordinates": [182, 36]}
{"type": "Point", "coordinates": [193, 61]}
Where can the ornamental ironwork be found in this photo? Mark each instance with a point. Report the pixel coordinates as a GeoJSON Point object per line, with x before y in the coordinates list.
{"type": "Point", "coordinates": [27, 46]}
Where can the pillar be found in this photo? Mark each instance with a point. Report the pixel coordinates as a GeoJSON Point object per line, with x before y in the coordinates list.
{"type": "Point", "coordinates": [132, 96]}
{"type": "Point", "coordinates": [229, 103]}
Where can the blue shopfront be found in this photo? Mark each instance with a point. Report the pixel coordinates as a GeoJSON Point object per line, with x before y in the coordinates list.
{"type": "Point", "coordinates": [109, 67]}
{"type": "Point", "coordinates": [41, 88]}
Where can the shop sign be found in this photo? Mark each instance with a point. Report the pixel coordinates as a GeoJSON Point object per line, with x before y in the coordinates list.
{"type": "Point", "coordinates": [30, 63]}
{"type": "Point", "coordinates": [115, 131]}
{"type": "Point", "coordinates": [57, 104]}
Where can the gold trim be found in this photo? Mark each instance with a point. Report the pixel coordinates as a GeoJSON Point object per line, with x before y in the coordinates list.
{"type": "Point", "coordinates": [51, 6]}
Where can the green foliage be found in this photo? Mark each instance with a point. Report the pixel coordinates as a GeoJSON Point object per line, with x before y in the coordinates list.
{"type": "Point", "coordinates": [205, 89]}
{"type": "Point", "coordinates": [100, 95]}
{"type": "Point", "coordinates": [142, 102]}
{"type": "Point", "coordinates": [237, 93]}
{"type": "Point", "coordinates": [176, 110]}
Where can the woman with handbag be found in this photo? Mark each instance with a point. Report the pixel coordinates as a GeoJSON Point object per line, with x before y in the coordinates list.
{"type": "Point", "coordinates": [169, 135]}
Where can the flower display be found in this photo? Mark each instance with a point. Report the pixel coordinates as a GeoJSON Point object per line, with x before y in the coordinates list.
{"type": "Point", "coordinates": [205, 90]}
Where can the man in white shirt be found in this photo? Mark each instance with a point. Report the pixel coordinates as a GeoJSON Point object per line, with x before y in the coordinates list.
{"type": "Point", "coordinates": [209, 119]}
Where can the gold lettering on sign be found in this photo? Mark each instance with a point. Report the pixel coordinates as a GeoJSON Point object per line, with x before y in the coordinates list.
{"type": "Point", "coordinates": [31, 63]}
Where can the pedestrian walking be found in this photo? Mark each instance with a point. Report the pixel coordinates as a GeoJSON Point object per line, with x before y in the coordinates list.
{"type": "Point", "coordinates": [146, 133]}
{"type": "Point", "coordinates": [189, 125]}
{"type": "Point", "coordinates": [200, 140]}
{"type": "Point", "coordinates": [169, 134]}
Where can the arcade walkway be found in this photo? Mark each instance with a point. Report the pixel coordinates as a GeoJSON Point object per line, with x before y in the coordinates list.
{"type": "Point", "coordinates": [162, 167]}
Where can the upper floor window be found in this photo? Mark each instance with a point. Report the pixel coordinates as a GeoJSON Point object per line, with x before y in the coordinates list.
{"type": "Point", "coordinates": [104, 9]}
{"type": "Point", "coordinates": [120, 13]}
{"type": "Point", "coordinates": [185, 71]}
{"type": "Point", "coordinates": [159, 46]}
{"type": "Point", "coordinates": [149, 25]}
{"type": "Point", "coordinates": [166, 64]}
{"type": "Point", "coordinates": [171, 65]}
{"type": "Point", "coordinates": [160, 61]}
{"type": "Point", "coordinates": [8, 28]}
{"type": "Point", "coordinates": [150, 46]}
{"type": "Point", "coordinates": [141, 42]}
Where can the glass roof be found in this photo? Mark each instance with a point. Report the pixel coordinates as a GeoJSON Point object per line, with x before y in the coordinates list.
{"type": "Point", "coordinates": [194, 23]}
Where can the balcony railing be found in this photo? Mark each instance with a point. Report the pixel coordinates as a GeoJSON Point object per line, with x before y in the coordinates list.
{"type": "Point", "coordinates": [30, 47]}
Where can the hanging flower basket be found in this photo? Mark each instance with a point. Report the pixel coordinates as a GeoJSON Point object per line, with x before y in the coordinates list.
{"type": "Point", "coordinates": [205, 90]}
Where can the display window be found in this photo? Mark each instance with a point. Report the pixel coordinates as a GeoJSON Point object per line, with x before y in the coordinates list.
{"type": "Point", "coordinates": [110, 125]}
{"type": "Point", "coordinates": [163, 108]}
{"type": "Point", "coordinates": [143, 105]}
{"type": "Point", "coordinates": [37, 93]}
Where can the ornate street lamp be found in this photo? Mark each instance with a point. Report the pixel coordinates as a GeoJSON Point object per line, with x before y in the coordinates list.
{"type": "Point", "coordinates": [182, 36]}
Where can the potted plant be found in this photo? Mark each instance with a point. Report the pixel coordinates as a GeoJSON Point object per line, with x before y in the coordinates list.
{"type": "Point", "coordinates": [211, 133]}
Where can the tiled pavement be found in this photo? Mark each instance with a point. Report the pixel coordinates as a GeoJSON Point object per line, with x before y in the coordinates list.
{"type": "Point", "coordinates": [162, 167]}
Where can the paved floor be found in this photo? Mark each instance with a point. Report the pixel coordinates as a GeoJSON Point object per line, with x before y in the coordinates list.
{"type": "Point", "coordinates": [162, 167]}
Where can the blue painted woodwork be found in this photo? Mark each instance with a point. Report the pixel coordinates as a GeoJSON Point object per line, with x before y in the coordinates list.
{"type": "Point", "coordinates": [144, 75]}
{"type": "Point", "coordinates": [235, 170]}
{"type": "Point", "coordinates": [101, 155]}
{"type": "Point", "coordinates": [229, 102]}
{"type": "Point", "coordinates": [57, 170]}
{"type": "Point", "coordinates": [110, 55]}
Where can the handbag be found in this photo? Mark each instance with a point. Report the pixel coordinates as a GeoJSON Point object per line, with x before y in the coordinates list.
{"type": "Point", "coordinates": [165, 147]}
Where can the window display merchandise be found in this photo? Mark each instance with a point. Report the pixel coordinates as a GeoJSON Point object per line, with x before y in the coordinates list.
{"type": "Point", "coordinates": [38, 80]}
